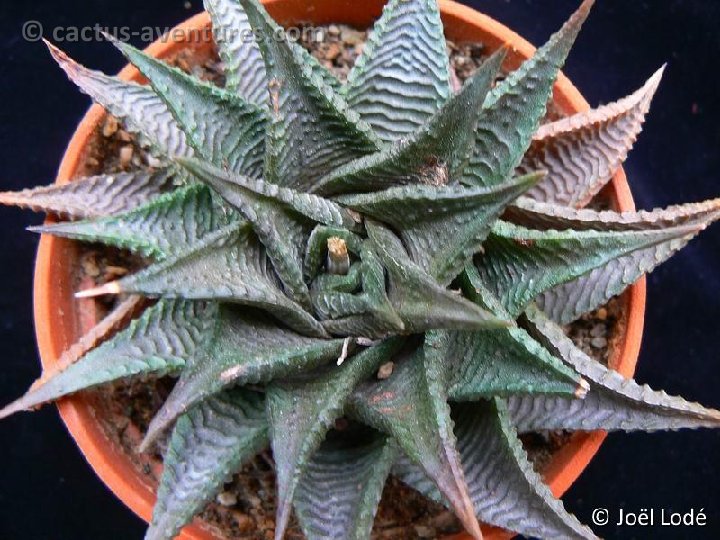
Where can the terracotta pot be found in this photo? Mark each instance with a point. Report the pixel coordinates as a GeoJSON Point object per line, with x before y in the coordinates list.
{"type": "Point", "coordinates": [60, 319]}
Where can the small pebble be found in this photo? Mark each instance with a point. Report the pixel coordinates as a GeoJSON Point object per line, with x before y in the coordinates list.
{"type": "Point", "coordinates": [111, 126]}
{"type": "Point", "coordinates": [352, 37]}
{"type": "Point", "coordinates": [333, 51]}
{"type": "Point", "coordinates": [445, 521]}
{"type": "Point", "coordinates": [244, 523]}
{"type": "Point", "coordinates": [227, 498]}
{"type": "Point", "coordinates": [599, 342]}
{"type": "Point", "coordinates": [90, 266]}
{"type": "Point", "coordinates": [126, 154]}
{"type": "Point", "coordinates": [385, 370]}
{"type": "Point", "coordinates": [424, 532]}
{"type": "Point", "coordinates": [598, 330]}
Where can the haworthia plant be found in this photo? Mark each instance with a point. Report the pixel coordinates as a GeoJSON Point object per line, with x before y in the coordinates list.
{"type": "Point", "coordinates": [367, 279]}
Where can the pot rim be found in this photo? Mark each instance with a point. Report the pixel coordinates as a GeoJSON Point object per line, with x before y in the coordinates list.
{"type": "Point", "coordinates": [55, 331]}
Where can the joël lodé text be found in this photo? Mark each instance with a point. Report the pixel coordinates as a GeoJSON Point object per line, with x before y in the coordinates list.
{"type": "Point", "coordinates": [647, 517]}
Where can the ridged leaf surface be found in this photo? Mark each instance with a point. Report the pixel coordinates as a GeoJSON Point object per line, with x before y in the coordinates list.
{"type": "Point", "coordinates": [208, 444]}
{"type": "Point", "coordinates": [221, 127]}
{"type": "Point", "coordinates": [167, 226]}
{"type": "Point", "coordinates": [313, 130]}
{"type": "Point", "coordinates": [434, 154]}
{"type": "Point", "coordinates": [303, 409]}
{"type": "Point", "coordinates": [402, 76]}
{"type": "Point", "coordinates": [93, 196]}
{"type": "Point", "coordinates": [140, 109]}
{"type": "Point", "coordinates": [159, 342]}
{"type": "Point", "coordinates": [582, 152]}
{"type": "Point", "coordinates": [505, 490]}
{"type": "Point", "coordinates": [340, 491]}
{"type": "Point", "coordinates": [613, 402]}
{"type": "Point", "coordinates": [515, 107]}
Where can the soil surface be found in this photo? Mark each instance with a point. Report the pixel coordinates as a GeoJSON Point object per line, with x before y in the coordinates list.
{"type": "Point", "coordinates": [246, 507]}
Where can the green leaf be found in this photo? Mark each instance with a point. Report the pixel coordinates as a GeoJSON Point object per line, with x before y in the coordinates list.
{"type": "Point", "coordinates": [209, 443]}
{"type": "Point", "coordinates": [411, 406]}
{"type": "Point", "coordinates": [247, 348]}
{"type": "Point", "coordinates": [515, 107]}
{"type": "Point", "coordinates": [244, 68]}
{"type": "Point", "coordinates": [502, 362]}
{"type": "Point", "coordinates": [313, 130]}
{"type": "Point", "coordinates": [569, 301]}
{"type": "Point", "coordinates": [420, 301]}
{"type": "Point", "coordinates": [281, 217]}
{"type": "Point", "coordinates": [229, 266]}
{"type": "Point", "coordinates": [303, 409]}
{"type": "Point", "coordinates": [167, 226]}
{"type": "Point", "coordinates": [339, 493]}
{"type": "Point", "coordinates": [160, 342]}
{"type": "Point", "coordinates": [93, 196]}
{"type": "Point", "coordinates": [138, 107]}
{"type": "Point", "coordinates": [357, 303]}
{"type": "Point", "coordinates": [238, 190]}
{"type": "Point", "coordinates": [613, 402]}
{"type": "Point", "coordinates": [434, 154]}
{"type": "Point", "coordinates": [582, 152]}
{"type": "Point", "coordinates": [505, 490]}
{"type": "Point", "coordinates": [441, 227]}
{"type": "Point", "coordinates": [402, 76]}
{"type": "Point", "coordinates": [220, 126]}
{"type": "Point", "coordinates": [282, 231]}
{"type": "Point", "coordinates": [519, 264]}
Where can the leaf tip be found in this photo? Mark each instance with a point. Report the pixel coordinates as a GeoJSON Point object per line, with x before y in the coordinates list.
{"type": "Point", "coordinates": [12, 408]}
{"type": "Point", "coordinates": [582, 389]}
{"type": "Point", "coordinates": [108, 288]}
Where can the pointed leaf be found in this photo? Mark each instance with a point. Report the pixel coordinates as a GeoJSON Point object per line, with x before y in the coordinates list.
{"type": "Point", "coordinates": [420, 301]}
{"type": "Point", "coordinates": [514, 108]}
{"type": "Point", "coordinates": [412, 406]}
{"type": "Point", "coordinates": [502, 362]}
{"type": "Point", "coordinates": [302, 410]}
{"type": "Point", "coordinates": [441, 227]}
{"type": "Point", "coordinates": [243, 64]}
{"type": "Point", "coordinates": [569, 301]}
{"type": "Point", "coordinates": [167, 226]}
{"type": "Point", "coordinates": [582, 152]}
{"type": "Point", "coordinates": [313, 130]}
{"type": "Point", "coordinates": [434, 154]}
{"type": "Point", "coordinates": [209, 443]}
{"type": "Point", "coordinates": [93, 196]}
{"type": "Point", "coordinates": [613, 402]}
{"type": "Point", "coordinates": [235, 187]}
{"type": "Point", "coordinates": [117, 320]}
{"type": "Point", "coordinates": [228, 265]}
{"type": "Point", "coordinates": [138, 107]}
{"type": "Point", "coordinates": [505, 490]}
{"type": "Point", "coordinates": [402, 76]}
{"type": "Point", "coordinates": [519, 264]}
{"type": "Point", "coordinates": [159, 342]}
{"type": "Point", "coordinates": [282, 231]}
{"type": "Point", "coordinates": [247, 348]}
{"type": "Point", "coordinates": [219, 125]}
{"type": "Point", "coordinates": [339, 493]}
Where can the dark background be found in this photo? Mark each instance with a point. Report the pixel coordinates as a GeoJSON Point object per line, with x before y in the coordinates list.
{"type": "Point", "coordinates": [47, 491]}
